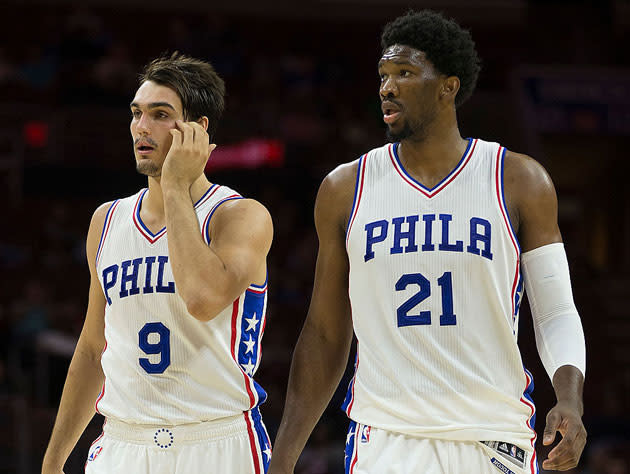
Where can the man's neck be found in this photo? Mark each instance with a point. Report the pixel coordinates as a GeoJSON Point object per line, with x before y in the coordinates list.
{"type": "Point", "coordinates": [153, 202]}
{"type": "Point", "coordinates": [431, 159]}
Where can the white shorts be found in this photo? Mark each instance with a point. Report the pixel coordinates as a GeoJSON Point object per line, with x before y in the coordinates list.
{"type": "Point", "coordinates": [371, 450]}
{"type": "Point", "coordinates": [235, 445]}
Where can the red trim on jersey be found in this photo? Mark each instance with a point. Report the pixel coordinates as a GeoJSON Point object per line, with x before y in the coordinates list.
{"type": "Point", "coordinates": [502, 206]}
{"type": "Point", "coordinates": [233, 334]}
{"type": "Point", "coordinates": [355, 453]}
{"type": "Point", "coordinates": [358, 198]}
{"type": "Point", "coordinates": [106, 224]}
{"type": "Point", "coordinates": [533, 410]}
{"type": "Point", "coordinates": [104, 378]}
{"type": "Point", "coordinates": [205, 199]}
{"type": "Point", "coordinates": [433, 192]}
{"type": "Point", "coordinates": [157, 236]}
{"type": "Point", "coordinates": [354, 379]}
{"type": "Point", "coordinates": [204, 229]}
{"type": "Point", "coordinates": [253, 289]}
{"type": "Point", "coordinates": [252, 444]}
{"type": "Point", "coordinates": [252, 399]}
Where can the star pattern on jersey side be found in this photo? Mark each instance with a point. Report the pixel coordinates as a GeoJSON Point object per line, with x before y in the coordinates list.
{"type": "Point", "coordinates": [519, 295]}
{"type": "Point", "coordinates": [249, 367]}
{"type": "Point", "coordinates": [267, 452]}
{"type": "Point", "coordinates": [251, 323]}
{"type": "Point", "coordinates": [249, 344]}
{"type": "Point", "coordinates": [349, 438]}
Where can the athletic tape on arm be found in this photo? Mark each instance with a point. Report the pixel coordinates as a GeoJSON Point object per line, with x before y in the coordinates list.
{"type": "Point", "coordinates": [557, 325]}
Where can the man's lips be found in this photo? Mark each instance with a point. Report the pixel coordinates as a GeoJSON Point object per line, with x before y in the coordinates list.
{"type": "Point", "coordinates": [144, 147]}
{"type": "Point", "coordinates": [391, 111]}
{"type": "Point", "coordinates": [144, 150]}
{"type": "Point", "coordinates": [391, 117]}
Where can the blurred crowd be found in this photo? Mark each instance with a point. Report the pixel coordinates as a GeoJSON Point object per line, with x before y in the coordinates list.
{"type": "Point", "coordinates": [312, 86]}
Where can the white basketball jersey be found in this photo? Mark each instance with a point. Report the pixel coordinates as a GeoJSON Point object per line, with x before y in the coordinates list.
{"type": "Point", "coordinates": [161, 365]}
{"type": "Point", "coordinates": [435, 288]}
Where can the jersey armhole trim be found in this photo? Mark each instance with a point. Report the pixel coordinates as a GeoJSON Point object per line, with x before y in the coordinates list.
{"type": "Point", "coordinates": [358, 192]}
{"type": "Point", "coordinates": [106, 224]}
{"type": "Point", "coordinates": [207, 195]}
{"type": "Point", "coordinates": [518, 281]}
{"type": "Point", "coordinates": [500, 184]}
{"type": "Point", "coordinates": [206, 223]}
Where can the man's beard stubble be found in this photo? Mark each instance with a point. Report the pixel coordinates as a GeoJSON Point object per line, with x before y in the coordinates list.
{"type": "Point", "coordinates": [417, 131]}
{"type": "Point", "coordinates": [406, 132]}
{"type": "Point", "coordinates": [148, 168]}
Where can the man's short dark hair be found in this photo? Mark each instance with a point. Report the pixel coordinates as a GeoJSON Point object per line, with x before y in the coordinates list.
{"type": "Point", "coordinates": [197, 84]}
{"type": "Point", "coordinates": [447, 45]}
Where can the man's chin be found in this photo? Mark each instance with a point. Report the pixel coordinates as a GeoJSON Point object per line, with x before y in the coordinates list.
{"type": "Point", "coordinates": [148, 168]}
{"type": "Point", "coordinates": [398, 134]}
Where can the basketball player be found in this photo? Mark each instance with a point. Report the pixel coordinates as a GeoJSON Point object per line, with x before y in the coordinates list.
{"type": "Point", "coordinates": [176, 312]}
{"type": "Point", "coordinates": [423, 245]}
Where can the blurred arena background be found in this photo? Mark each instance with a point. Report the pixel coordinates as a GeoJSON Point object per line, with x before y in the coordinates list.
{"type": "Point", "coordinates": [302, 98]}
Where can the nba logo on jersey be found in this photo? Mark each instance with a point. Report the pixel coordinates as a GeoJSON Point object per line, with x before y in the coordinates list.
{"type": "Point", "coordinates": [95, 453]}
{"type": "Point", "coordinates": [365, 434]}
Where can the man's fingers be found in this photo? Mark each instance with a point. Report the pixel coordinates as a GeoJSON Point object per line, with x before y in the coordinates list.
{"type": "Point", "coordinates": [188, 133]}
{"type": "Point", "coordinates": [553, 423]}
{"type": "Point", "coordinates": [566, 454]}
{"type": "Point", "coordinates": [177, 137]}
{"type": "Point", "coordinates": [201, 135]}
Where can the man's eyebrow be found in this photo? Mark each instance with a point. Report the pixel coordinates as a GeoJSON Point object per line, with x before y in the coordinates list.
{"type": "Point", "coordinates": [153, 105]}
{"type": "Point", "coordinates": [395, 60]}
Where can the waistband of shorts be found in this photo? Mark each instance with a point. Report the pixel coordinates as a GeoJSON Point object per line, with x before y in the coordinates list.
{"type": "Point", "coordinates": [193, 432]}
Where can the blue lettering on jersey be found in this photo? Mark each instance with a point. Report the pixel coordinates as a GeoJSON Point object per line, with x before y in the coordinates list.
{"type": "Point", "coordinates": [109, 280]}
{"type": "Point", "coordinates": [458, 246]}
{"type": "Point", "coordinates": [127, 277]}
{"type": "Point", "coordinates": [406, 229]}
{"type": "Point", "coordinates": [428, 233]}
{"type": "Point", "coordinates": [148, 273]}
{"type": "Point", "coordinates": [160, 288]}
{"type": "Point", "coordinates": [130, 271]}
{"type": "Point", "coordinates": [476, 237]}
{"type": "Point", "coordinates": [409, 235]}
{"type": "Point", "coordinates": [374, 239]}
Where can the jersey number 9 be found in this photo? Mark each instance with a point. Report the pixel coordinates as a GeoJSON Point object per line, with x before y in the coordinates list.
{"type": "Point", "coordinates": [162, 347]}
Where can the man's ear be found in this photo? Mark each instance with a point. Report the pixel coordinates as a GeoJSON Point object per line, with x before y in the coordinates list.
{"type": "Point", "coordinates": [203, 121]}
{"type": "Point", "coordinates": [450, 87]}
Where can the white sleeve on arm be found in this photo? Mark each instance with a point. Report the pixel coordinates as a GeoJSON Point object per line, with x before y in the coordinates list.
{"type": "Point", "coordinates": [557, 325]}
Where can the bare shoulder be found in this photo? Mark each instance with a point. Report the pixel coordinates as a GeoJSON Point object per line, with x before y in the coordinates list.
{"type": "Point", "coordinates": [243, 209]}
{"type": "Point", "coordinates": [245, 214]}
{"type": "Point", "coordinates": [98, 217]}
{"type": "Point", "coordinates": [96, 228]}
{"type": "Point", "coordinates": [532, 201]}
{"type": "Point", "coordinates": [336, 194]}
{"type": "Point", "coordinates": [523, 174]}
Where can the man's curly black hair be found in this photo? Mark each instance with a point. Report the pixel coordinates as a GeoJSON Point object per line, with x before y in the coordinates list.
{"type": "Point", "coordinates": [446, 44]}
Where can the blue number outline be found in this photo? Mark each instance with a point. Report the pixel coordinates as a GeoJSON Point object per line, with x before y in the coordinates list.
{"type": "Point", "coordinates": [424, 317]}
{"type": "Point", "coordinates": [163, 347]}
{"type": "Point", "coordinates": [445, 282]}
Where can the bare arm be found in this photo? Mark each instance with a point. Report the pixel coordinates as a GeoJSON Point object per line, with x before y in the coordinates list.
{"type": "Point", "coordinates": [533, 207]}
{"type": "Point", "coordinates": [322, 349]}
{"type": "Point", "coordinates": [209, 278]}
{"type": "Point", "coordinates": [85, 375]}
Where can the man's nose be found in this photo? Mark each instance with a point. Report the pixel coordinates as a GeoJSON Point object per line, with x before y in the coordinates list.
{"type": "Point", "coordinates": [389, 88]}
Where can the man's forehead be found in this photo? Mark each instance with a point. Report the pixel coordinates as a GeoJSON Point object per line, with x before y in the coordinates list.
{"type": "Point", "coordinates": [150, 92]}
{"type": "Point", "coordinates": [400, 53]}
